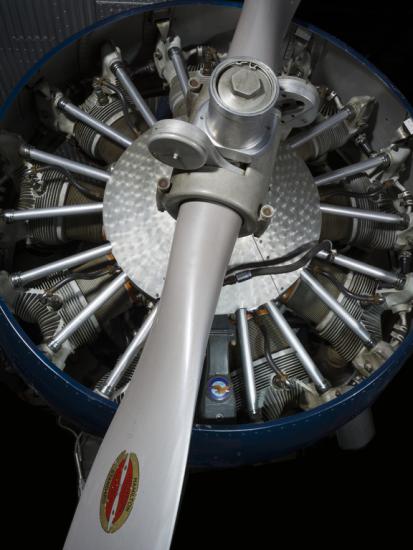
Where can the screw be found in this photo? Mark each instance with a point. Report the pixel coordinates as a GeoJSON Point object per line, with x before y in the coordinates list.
{"type": "Point", "coordinates": [194, 84]}
{"type": "Point", "coordinates": [246, 83]}
{"type": "Point", "coordinates": [369, 368]}
{"type": "Point", "coordinates": [39, 187]}
{"type": "Point", "coordinates": [164, 185]}
{"type": "Point", "coordinates": [52, 300]}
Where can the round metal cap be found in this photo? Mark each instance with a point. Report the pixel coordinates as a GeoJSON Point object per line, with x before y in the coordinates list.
{"type": "Point", "coordinates": [244, 86]}
{"type": "Point", "coordinates": [179, 144]}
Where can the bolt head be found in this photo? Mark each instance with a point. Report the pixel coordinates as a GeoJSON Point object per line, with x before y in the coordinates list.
{"type": "Point", "coordinates": [164, 185]}
{"type": "Point", "coordinates": [246, 83]}
{"type": "Point", "coordinates": [194, 84]}
{"type": "Point", "coordinates": [267, 212]}
{"type": "Point", "coordinates": [55, 302]}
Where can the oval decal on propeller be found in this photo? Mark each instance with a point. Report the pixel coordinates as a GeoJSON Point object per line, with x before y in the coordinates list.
{"type": "Point", "coordinates": [119, 492]}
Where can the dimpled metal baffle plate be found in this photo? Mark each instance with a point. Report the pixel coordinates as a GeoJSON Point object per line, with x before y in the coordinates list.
{"type": "Point", "coordinates": [141, 236]}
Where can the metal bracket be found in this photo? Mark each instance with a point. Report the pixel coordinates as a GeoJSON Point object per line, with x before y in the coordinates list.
{"type": "Point", "coordinates": [368, 361]}
{"type": "Point", "coordinates": [185, 147]}
{"type": "Point", "coordinates": [399, 300]}
{"type": "Point", "coordinates": [298, 101]}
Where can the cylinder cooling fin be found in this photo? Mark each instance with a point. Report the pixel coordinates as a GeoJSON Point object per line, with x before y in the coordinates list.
{"type": "Point", "coordinates": [313, 319]}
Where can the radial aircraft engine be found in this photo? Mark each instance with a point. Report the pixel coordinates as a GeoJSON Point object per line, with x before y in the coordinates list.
{"type": "Point", "coordinates": [205, 237]}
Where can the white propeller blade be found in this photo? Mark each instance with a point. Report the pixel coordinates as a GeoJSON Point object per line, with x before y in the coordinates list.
{"type": "Point", "coordinates": [133, 491]}
{"type": "Point", "coordinates": [261, 30]}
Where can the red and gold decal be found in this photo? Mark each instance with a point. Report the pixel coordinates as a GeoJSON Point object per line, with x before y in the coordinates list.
{"type": "Point", "coordinates": [119, 492]}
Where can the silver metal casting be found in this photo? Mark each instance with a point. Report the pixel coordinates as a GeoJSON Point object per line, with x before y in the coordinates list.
{"type": "Point", "coordinates": [242, 97]}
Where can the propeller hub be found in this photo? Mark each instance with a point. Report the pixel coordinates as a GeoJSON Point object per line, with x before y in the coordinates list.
{"type": "Point", "coordinates": [243, 93]}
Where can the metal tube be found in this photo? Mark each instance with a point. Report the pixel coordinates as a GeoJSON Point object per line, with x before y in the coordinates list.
{"type": "Point", "coordinates": [130, 88]}
{"type": "Point", "coordinates": [128, 356]}
{"type": "Point", "coordinates": [381, 160]}
{"type": "Point", "coordinates": [97, 125]}
{"type": "Point", "coordinates": [86, 313]}
{"type": "Point", "coordinates": [24, 277]}
{"type": "Point", "coordinates": [288, 333]}
{"type": "Point", "coordinates": [247, 363]}
{"type": "Point", "coordinates": [31, 153]}
{"type": "Point", "coordinates": [331, 122]}
{"type": "Point", "coordinates": [357, 433]}
{"type": "Point", "coordinates": [337, 308]}
{"type": "Point", "coordinates": [361, 267]}
{"type": "Point", "coordinates": [11, 216]}
{"type": "Point", "coordinates": [180, 69]}
{"type": "Point", "coordinates": [359, 214]}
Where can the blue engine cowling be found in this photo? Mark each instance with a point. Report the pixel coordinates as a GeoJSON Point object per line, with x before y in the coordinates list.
{"type": "Point", "coordinates": [212, 446]}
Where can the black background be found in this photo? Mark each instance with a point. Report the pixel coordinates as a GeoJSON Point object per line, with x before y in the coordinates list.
{"type": "Point", "coordinates": [325, 496]}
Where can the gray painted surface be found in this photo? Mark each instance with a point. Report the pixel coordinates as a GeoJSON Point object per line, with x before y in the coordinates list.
{"type": "Point", "coordinates": [28, 30]}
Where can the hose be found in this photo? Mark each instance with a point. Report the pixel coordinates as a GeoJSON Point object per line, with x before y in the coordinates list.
{"type": "Point", "coordinates": [370, 299]}
{"type": "Point", "coordinates": [107, 269]}
{"type": "Point", "coordinates": [249, 270]}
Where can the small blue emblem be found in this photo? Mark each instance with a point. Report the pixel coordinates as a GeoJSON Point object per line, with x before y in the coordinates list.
{"type": "Point", "coordinates": [219, 388]}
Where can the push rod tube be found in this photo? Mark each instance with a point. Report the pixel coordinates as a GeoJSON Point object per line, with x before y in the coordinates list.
{"type": "Point", "coordinates": [381, 161]}
{"type": "Point", "coordinates": [359, 214]}
{"type": "Point", "coordinates": [128, 356]}
{"type": "Point", "coordinates": [103, 129]}
{"type": "Point", "coordinates": [120, 72]}
{"type": "Point", "coordinates": [389, 277]}
{"type": "Point", "coordinates": [175, 55]}
{"type": "Point", "coordinates": [288, 333]}
{"type": "Point", "coordinates": [247, 363]}
{"type": "Point", "coordinates": [331, 122]}
{"type": "Point", "coordinates": [31, 153]}
{"type": "Point", "coordinates": [24, 277]}
{"type": "Point", "coordinates": [86, 313]}
{"type": "Point", "coordinates": [11, 216]}
{"type": "Point", "coordinates": [337, 308]}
